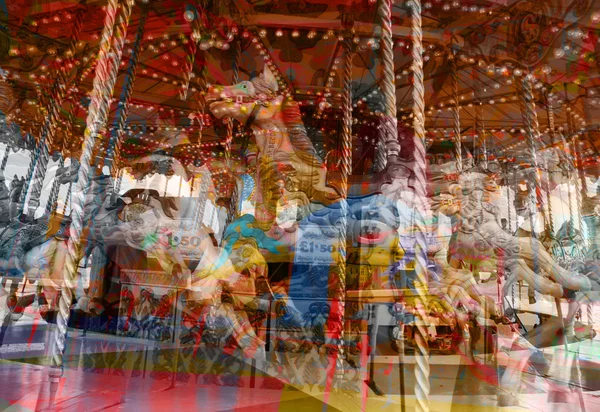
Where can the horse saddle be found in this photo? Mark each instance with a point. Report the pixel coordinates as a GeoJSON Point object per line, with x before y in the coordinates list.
{"type": "Point", "coordinates": [19, 237]}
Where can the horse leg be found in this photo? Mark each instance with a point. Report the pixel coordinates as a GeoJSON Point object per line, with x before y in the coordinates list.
{"type": "Point", "coordinates": [91, 302]}
{"type": "Point", "coordinates": [510, 381]}
{"type": "Point", "coordinates": [538, 282]}
{"type": "Point", "coordinates": [17, 309]}
{"type": "Point", "coordinates": [548, 265]}
{"type": "Point", "coordinates": [243, 332]}
{"type": "Point", "coordinates": [560, 370]}
{"type": "Point", "coordinates": [531, 294]}
{"type": "Point", "coordinates": [574, 306]}
{"type": "Point", "coordinates": [7, 319]}
{"type": "Point", "coordinates": [3, 291]}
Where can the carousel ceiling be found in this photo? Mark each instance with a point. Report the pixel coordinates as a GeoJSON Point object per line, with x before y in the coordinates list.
{"type": "Point", "coordinates": [493, 42]}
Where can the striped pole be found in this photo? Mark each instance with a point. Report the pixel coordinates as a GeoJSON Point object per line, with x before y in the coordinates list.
{"type": "Point", "coordinates": [390, 145]}
{"type": "Point", "coordinates": [109, 56]}
{"type": "Point", "coordinates": [37, 168]}
{"type": "Point", "coordinates": [551, 126]}
{"type": "Point", "coordinates": [345, 171]}
{"type": "Point", "coordinates": [579, 183]}
{"type": "Point", "coordinates": [235, 79]}
{"type": "Point", "coordinates": [190, 46]}
{"type": "Point", "coordinates": [116, 135]}
{"type": "Point", "coordinates": [5, 158]}
{"type": "Point", "coordinates": [530, 120]}
{"type": "Point", "coordinates": [456, 114]}
{"type": "Point", "coordinates": [51, 203]}
{"type": "Point", "coordinates": [422, 387]}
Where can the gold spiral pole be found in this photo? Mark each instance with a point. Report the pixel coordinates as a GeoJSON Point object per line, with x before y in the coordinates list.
{"type": "Point", "coordinates": [113, 152]}
{"type": "Point", "coordinates": [389, 145]}
{"type": "Point", "coordinates": [203, 186]}
{"type": "Point", "coordinates": [579, 179]}
{"type": "Point", "coordinates": [201, 101]}
{"type": "Point", "coordinates": [235, 79]}
{"type": "Point", "coordinates": [456, 114]}
{"type": "Point", "coordinates": [551, 126]}
{"type": "Point", "coordinates": [109, 55]}
{"type": "Point", "coordinates": [419, 230]}
{"type": "Point", "coordinates": [579, 169]}
{"type": "Point", "coordinates": [190, 48]}
{"type": "Point", "coordinates": [567, 148]}
{"type": "Point", "coordinates": [39, 162]}
{"type": "Point", "coordinates": [530, 121]}
{"type": "Point", "coordinates": [527, 105]}
{"type": "Point", "coordinates": [345, 172]}
{"type": "Point", "coordinates": [67, 199]}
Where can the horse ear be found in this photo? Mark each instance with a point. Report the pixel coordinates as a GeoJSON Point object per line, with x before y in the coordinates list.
{"type": "Point", "coordinates": [270, 79]}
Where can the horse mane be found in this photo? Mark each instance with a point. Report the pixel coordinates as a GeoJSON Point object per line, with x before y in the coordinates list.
{"type": "Point", "coordinates": [292, 118]}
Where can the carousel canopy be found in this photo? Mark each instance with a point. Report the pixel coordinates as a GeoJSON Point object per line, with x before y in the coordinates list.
{"type": "Point", "coordinates": [174, 49]}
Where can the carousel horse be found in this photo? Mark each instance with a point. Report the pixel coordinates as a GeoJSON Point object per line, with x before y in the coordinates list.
{"type": "Point", "coordinates": [37, 251]}
{"type": "Point", "coordinates": [479, 240]}
{"type": "Point", "coordinates": [146, 222]}
{"type": "Point", "coordinates": [295, 195]}
{"type": "Point", "coordinates": [4, 202]}
{"type": "Point", "coordinates": [287, 164]}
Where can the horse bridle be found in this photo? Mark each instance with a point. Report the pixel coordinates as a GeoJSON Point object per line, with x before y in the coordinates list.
{"type": "Point", "coordinates": [258, 101]}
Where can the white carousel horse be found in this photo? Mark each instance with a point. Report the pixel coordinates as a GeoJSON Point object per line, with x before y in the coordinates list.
{"type": "Point", "coordinates": [37, 251]}
{"type": "Point", "coordinates": [479, 240]}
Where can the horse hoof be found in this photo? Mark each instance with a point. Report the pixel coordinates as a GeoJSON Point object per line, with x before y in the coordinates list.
{"type": "Point", "coordinates": [507, 400]}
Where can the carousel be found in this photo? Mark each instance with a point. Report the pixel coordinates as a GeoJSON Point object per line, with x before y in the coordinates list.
{"type": "Point", "coordinates": [346, 204]}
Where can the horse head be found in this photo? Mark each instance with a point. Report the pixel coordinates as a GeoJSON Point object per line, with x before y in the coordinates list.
{"type": "Point", "coordinates": [248, 102]}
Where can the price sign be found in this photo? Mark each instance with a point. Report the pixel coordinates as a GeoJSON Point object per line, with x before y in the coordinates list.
{"type": "Point", "coordinates": [184, 238]}
{"type": "Point", "coordinates": [313, 247]}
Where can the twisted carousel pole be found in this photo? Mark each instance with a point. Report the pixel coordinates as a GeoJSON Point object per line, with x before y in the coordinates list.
{"type": "Point", "coordinates": [52, 204]}
{"type": "Point", "coordinates": [113, 152]}
{"type": "Point", "coordinates": [52, 199]}
{"type": "Point", "coordinates": [109, 56]}
{"type": "Point", "coordinates": [5, 157]}
{"type": "Point", "coordinates": [579, 178]}
{"type": "Point", "coordinates": [235, 78]}
{"type": "Point", "coordinates": [530, 120]}
{"type": "Point", "coordinates": [420, 187]}
{"type": "Point", "coordinates": [456, 113]}
{"type": "Point", "coordinates": [389, 145]}
{"type": "Point", "coordinates": [551, 127]}
{"type": "Point", "coordinates": [37, 167]}
{"type": "Point", "coordinates": [532, 127]}
{"type": "Point", "coordinates": [345, 172]}
{"type": "Point", "coordinates": [203, 186]}
{"type": "Point", "coordinates": [190, 48]}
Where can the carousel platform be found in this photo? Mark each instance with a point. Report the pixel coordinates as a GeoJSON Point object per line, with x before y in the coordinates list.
{"type": "Point", "coordinates": [111, 373]}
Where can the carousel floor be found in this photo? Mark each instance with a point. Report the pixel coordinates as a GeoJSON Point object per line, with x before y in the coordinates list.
{"type": "Point", "coordinates": [456, 385]}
